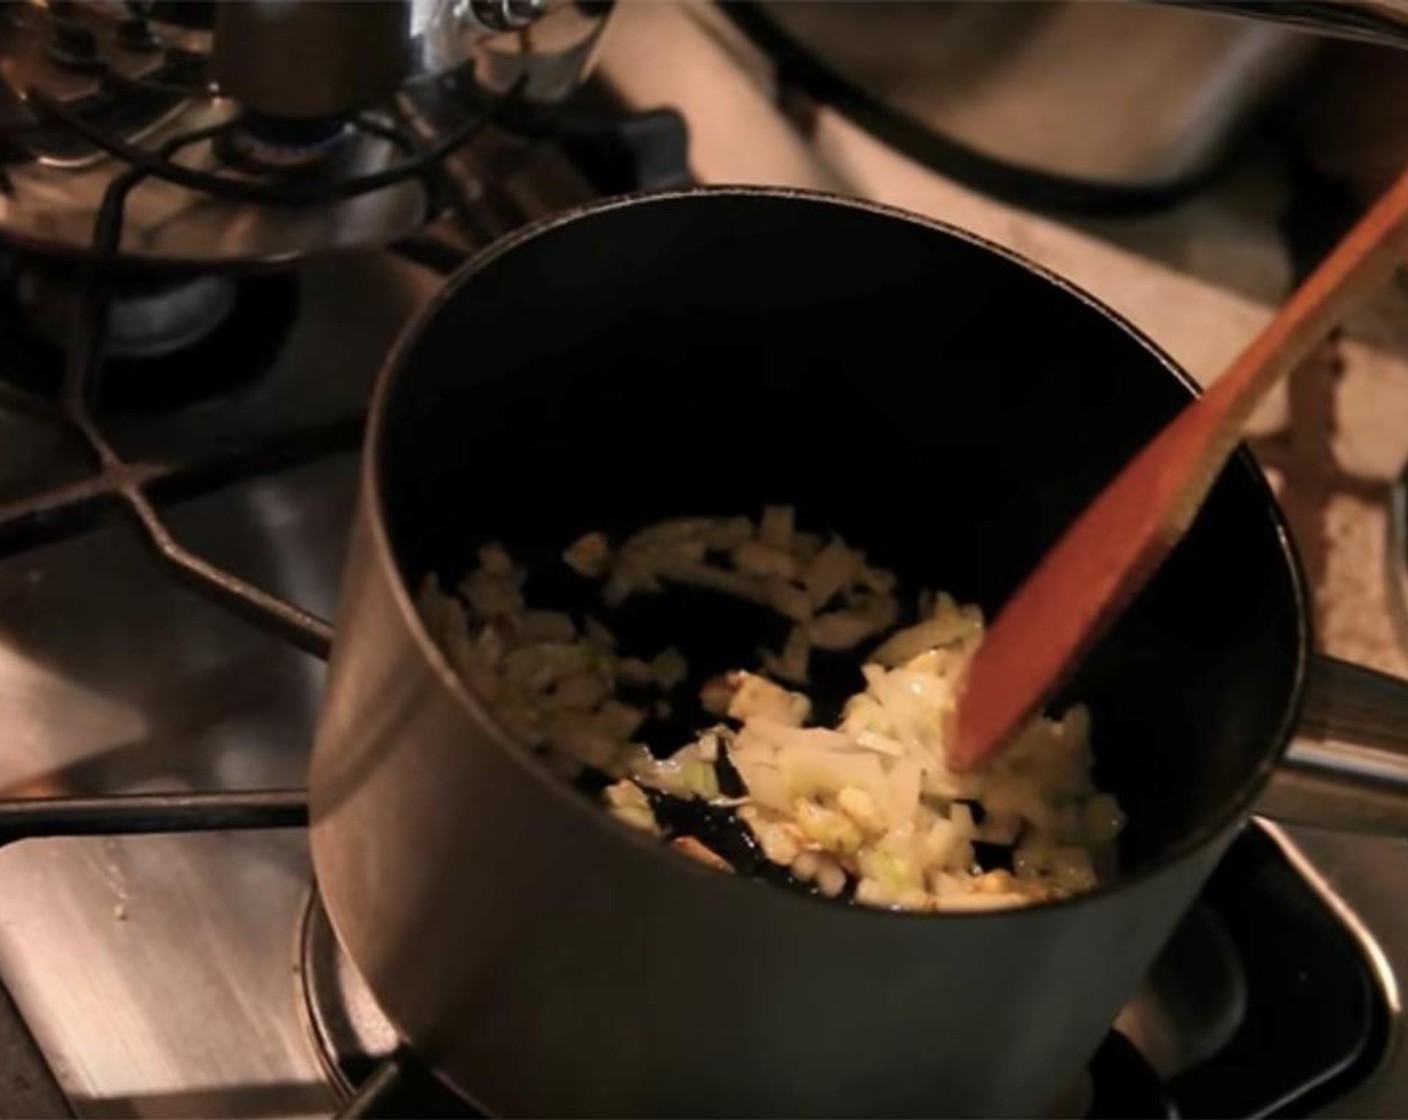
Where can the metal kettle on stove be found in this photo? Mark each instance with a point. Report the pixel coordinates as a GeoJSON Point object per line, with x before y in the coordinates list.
{"type": "Point", "coordinates": [269, 95]}
{"type": "Point", "coordinates": [310, 58]}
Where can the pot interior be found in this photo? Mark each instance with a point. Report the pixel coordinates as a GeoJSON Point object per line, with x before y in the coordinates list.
{"type": "Point", "coordinates": [935, 401]}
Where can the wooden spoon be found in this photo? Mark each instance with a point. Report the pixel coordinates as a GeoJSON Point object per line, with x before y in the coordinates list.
{"type": "Point", "coordinates": [1080, 587]}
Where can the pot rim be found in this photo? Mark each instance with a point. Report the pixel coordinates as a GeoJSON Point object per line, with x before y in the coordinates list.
{"type": "Point", "coordinates": [1234, 810]}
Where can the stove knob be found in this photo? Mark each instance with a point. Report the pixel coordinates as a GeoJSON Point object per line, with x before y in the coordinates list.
{"type": "Point", "coordinates": [72, 45]}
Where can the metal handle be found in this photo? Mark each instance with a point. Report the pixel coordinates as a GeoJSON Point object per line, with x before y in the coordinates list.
{"type": "Point", "coordinates": [1348, 767]}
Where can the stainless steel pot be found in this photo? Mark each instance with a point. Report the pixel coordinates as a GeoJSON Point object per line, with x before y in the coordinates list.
{"type": "Point", "coordinates": [931, 395]}
{"type": "Point", "coordinates": [1067, 104]}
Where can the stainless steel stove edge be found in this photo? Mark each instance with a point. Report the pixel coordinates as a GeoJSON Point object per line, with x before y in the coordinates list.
{"type": "Point", "coordinates": [1361, 879]}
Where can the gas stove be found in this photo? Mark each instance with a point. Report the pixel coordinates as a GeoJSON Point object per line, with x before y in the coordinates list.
{"type": "Point", "coordinates": [162, 948]}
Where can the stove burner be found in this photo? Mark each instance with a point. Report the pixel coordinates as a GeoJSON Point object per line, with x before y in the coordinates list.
{"type": "Point", "coordinates": [171, 340]}
{"type": "Point", "coordinates": [353, 1038]}
{"type": "Point", "coordinates": [272, 144]}
{"type": "Point", "coordinates": [106, 97]}
{"type": "Point", "coordinates": [145, 320]}
{"type": "Point", "coordinates": [352, 1034]}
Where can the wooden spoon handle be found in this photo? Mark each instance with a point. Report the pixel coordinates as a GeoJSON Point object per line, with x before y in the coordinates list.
{"type": "Point", "coordinates": [1121, 538]}
{"type": "Point", "coordinates": [1364, 258]}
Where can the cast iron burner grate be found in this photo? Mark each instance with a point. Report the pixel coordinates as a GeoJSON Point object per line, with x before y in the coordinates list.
{"type": "Point", "coordinates": [131, 486]}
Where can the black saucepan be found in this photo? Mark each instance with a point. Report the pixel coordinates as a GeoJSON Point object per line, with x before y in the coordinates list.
{"type": "Point", "coordinates": [933, 398]}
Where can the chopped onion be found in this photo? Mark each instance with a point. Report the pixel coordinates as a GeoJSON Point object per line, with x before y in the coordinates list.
{"type": "Point", "coordinates": [727, 533]}
{"type": "Point", "coordinates": [881, 743]}
{"type": "Point", "coordinates": [755, 559]}
{"type": "Point", "coordinates": [664, 774]}
{"type": "Point", "coordinates": [792, 665]}
{"type": "Point", "coordinates": [872, 799]}
{"type": "Point", "coordinates": [542, 665]}
{"type": "Point", "coordinates": [598, 634]}
{"type": "Point", "coordinates": [860, 807]}
{"type": "Point", "coordinates": [781, 841]}
{"type": "Point", "coordinates": [581, 693]}
{"type": "Point", "coordinates": [589, 555]}
{"type": "Point", "coordinates": [620, 720]}
{"type": "Point", "coordinates": [788, 600]}
{"type": "Point", "coordinates": [1101, 820]}
{"type": "Point", "coordinates": [1071, 869]}
{"type": "Point", "coordinates": [663, 534]}
{"type": "Point", "coordinates": [999, 828]}
{"type": "Point", "coordinates": [907, 644]}
{"type": "Point", "coordinates": [757, 698]}
{"type": "Point", "coordinates": [495, 560]}
{"type": "Point", "coordinates": [878, 580]}
{"type": "Point", "coordinates": [586, 743]}
{"type": "Point", "coordinates": [831, 830]}
{"type": "Point", "coordinates": [696, 573]}
{"type": "Point", "coordinates": [708, 745]}
{"type": "Point", "coordinates": [545, 626]}
{"type": "Point", "coordinates": [962, 817]}
{"type": "Point", "coordinates": [830, 878]}
{"type": "Point", "coordinates": [805, 546]}
{"type": "Point", "coordinates": [716, 695]}
{"type": "Point", "coordinates": [628, 804]}
{"type": "Point", "coordinates": [840, 630]}
{"type": "Point", "coordinates": [701, 853]}
{"type": "Point", "coordinates": [633, 670]}
{"type": "Point", "coordinates": [490, 595]}
{"type": "Point", "coordinates": [775, 527]}
{"type": "Point", "coordinates": [767, 784]}
{"type": "Point", "coordinates": [844, 629]}
{"type": "Point", "coordinates": [629, 577]}
{"type": "Point", "coordinates": [832, 569]}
